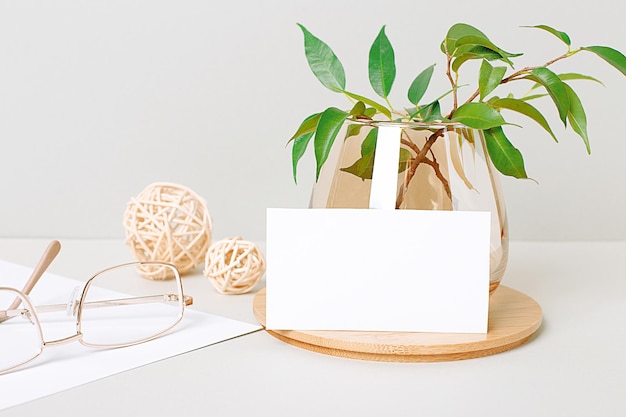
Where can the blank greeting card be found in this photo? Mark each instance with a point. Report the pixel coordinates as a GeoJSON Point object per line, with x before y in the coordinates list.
{"type": "Point", "coordinates": [377, 270]}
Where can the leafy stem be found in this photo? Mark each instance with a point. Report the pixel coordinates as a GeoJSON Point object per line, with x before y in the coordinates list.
{"type": "Point", "coordinates": [525, 71]}
{"type": "Point", "coordinates": [389, 105]}
{"type": "Point", "coordinates": [481, 111]}
{"type": "Point", "coordinates": [453, 84]}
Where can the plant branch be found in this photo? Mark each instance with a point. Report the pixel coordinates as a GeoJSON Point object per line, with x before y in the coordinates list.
{"type": "Point", "coordinates": [524, 71]}
{"type": "Point", "coordinates": [419, 158]}
{"type": "Point", "coordinates": [452, 82]}
{"type": "Point", "coordinates": [389, 105]}
{"type": "Point", "coordinates": [446, 185]}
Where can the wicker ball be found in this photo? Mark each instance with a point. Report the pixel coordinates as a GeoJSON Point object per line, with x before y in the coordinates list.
{"type": "Point", "coordinates": [169, 223]}
{"type": "Point", "coordinates": [234, 265]}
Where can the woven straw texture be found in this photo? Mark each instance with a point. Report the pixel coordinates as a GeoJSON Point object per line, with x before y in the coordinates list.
{"type": "Point", "coordinates": [234, 265]}
{"type": "Point", "coordinates": [170, 223]}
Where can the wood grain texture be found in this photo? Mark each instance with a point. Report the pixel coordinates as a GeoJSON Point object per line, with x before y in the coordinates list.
{"type": "Point", "coordinates": [513, 319]}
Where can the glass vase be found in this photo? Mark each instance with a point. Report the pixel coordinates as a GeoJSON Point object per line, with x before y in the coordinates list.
{"type": "Point", "coordinates": [442, 166]}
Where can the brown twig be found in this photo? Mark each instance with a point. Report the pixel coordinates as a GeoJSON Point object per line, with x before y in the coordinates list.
{"type": "Point", "coordinates": [409, 143]}
{"type": "Point", "coordinates": [419, 158]}
{"type": "Point", "coordinates": [523, 71]}
{"type": "Point", "coordinates": [446, 185]}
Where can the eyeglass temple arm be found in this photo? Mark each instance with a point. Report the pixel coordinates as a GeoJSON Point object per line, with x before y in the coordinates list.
{"type": "Point", "coordinates": [48, 256]}
{"type": "Point", "coordinates": [187, 299]}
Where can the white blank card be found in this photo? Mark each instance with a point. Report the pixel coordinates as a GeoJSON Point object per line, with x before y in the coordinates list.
{"type": "Point", "coordinates": [377, 270]}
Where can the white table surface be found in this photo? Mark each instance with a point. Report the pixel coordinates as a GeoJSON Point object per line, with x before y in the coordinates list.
{"type": "Point", "coordinates": [575, 366]}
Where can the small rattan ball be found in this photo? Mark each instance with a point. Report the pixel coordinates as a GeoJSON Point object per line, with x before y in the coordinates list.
{"type": "Point", "coordinates": [169, 223]}
{"type": "Point", "coordinates": [234, 265]}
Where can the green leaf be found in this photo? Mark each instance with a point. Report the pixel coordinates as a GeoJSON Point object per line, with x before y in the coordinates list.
{"type": "Point", "coordinates": [489, 78]}
{"type": "Point", "coordinates": [301, 140]}
{"type": "Point", "coordinates": [561, 35]}
{"type": "Point", "coordinates": [420, 84]}
{"type": "Point", "coordinates": [382, 65]}
{"type": "Point", "coordinates": [477, 52]}
{"type": "Point", "coordinates": [473, 41]}
{"type": "Point", "coordinates": [382, 109]}
{"type": "Point", "coordinates": [405, 157]}
{"type": "Point", "coordinates": [505, 157]}
{"type": "Point", "coordinates": [577, 117]}
{"type": "Point", "coordinates": [358, 109]}
{"type": "Point", "coordinates": [555, 88]}
{"type": "Point", "coordinates": [478, 116]}
{"type": "Point", "coordinates": [327, 129]}
{"type": "Point", "coordinates": [533, 97]}
{"type": "Point", "coordinates": [524, 108]}
{"type": "Point", "coordinates": [369, 143]}
{"type": "Point", "coordinates": [370, 112]}
{"type": "Point", "coordinates": [323, 62]}
{"type": "Point", "coordinates": [456, 32]}
{"type": "Point", "coordinates": [431, 113]}
{"type": "Point", "coordinates": [299, 148]}
{"type": "Point", "coordinates": [610, 55]}
{"type": "Point", "coordinates": [411, 111]}
{"type": "Point", "coordinates": [364, 166]}
{"type": "Point", "coordinates": [465, 42]}
{"type": "Point", "coordinates": [307, 126]}
{"type": "Point", "coordinates": [353, 129]}
{"type": "Point", "coordinates": [573, 76]}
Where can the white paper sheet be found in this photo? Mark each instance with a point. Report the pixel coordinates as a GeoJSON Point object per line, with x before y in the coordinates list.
{"type": "Point", "coordinates": [69, 365]}
{"type": "Point", "coordinates": [377, 270]}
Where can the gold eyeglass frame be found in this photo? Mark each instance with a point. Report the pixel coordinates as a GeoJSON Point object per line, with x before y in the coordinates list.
{"type": "Point", "coordinates": [30, 311]}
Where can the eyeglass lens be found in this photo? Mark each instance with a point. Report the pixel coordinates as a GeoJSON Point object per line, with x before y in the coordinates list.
{"type": "Point", "coordinates": [105, 318]}
{"type": "Point", "coordinates": [20, 335]}
{"type": "Point", "coordinates": [108, 319]}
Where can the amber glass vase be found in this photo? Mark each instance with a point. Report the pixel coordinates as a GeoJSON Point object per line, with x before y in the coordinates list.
{"type": "Point", "coordinates": [441, 166]}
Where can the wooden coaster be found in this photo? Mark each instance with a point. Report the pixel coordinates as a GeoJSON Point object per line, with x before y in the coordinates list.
{"type": "Point", "coordinates": [513, 318]}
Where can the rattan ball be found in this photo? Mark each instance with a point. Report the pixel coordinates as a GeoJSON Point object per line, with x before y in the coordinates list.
{"type": "Point", "coordinates": [169, 223]}
{"type": "Point", "coordinates": [234, 265]}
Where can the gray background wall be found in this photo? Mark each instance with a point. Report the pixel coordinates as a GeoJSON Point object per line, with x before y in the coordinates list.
{"type": "Point", "coordinates": [99, 99]}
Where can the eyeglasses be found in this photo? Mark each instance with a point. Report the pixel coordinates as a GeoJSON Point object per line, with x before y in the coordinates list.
{"type": "Point", "coordinates": [103, 318]}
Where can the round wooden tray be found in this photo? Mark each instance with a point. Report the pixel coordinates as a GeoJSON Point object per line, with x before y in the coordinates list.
{"type": "Point", "coordinates": [513, 318]}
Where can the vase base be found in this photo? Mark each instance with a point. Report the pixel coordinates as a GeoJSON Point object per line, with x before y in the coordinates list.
{"type": "Point", "coordinates": [513, 319]}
